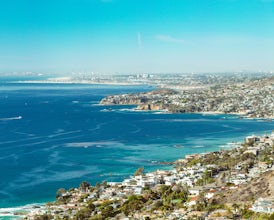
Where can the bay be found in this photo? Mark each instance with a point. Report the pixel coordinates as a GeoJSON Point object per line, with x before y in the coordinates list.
{"type": "Point", "coordinates": [56, 135]}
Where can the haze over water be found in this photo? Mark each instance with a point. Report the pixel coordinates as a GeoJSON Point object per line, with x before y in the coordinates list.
{"type": "Point", "coordinates": [55, 135]}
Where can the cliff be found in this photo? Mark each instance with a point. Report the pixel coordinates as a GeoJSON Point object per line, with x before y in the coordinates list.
{"type": "Point", "coordinates": [153, 100]}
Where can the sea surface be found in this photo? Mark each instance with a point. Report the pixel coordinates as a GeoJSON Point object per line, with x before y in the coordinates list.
{"type": "Point", "coordinates": [56, 135]}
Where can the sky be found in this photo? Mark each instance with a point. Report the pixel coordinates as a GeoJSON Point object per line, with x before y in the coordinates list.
{"type": "Point", "coordinates": [136, 36]}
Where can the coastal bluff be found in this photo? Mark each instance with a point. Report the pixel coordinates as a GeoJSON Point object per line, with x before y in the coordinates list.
{"type": "Point", "coordinates": [144, 100]}
{"type": "Point", "coordinates": [252, 99]}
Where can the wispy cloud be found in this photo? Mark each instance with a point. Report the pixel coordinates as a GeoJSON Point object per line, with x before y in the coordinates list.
{"type": "Point", "coordinates": [139, 40]}
{"type": "Point", "coordinates": [167, 38]}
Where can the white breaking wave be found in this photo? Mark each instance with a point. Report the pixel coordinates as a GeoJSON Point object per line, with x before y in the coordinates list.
{"type": "Point", "coordinates": [230, 145]}
{"type": "Point", "coordinates": [180, 120]}
{"type": "Point", "coordinates": [199, 146]}
{"type": "Point", "coordinates": [91, 144]}
{"type": "Point", "coordinates": [20, 210]}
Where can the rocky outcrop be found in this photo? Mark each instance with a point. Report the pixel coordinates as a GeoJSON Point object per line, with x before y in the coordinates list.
{"type": "Point", "coordinates": [153, 100]}
{"type": "Point", "coordinates": [149, 107]}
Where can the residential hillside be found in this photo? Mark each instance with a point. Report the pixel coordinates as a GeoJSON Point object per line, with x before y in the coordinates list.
{"type": "Point", "coordinates": [228, 184]}
{"type": "Point", "coordinates": [252, 98]}
{"type": "Point", "coordinates": [261, 187]}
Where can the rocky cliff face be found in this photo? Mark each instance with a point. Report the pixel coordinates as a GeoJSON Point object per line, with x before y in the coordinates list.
{"type": "Point", "coordinates": [146, 101]}
{"type": "Point", "coordinates": [149, 107]}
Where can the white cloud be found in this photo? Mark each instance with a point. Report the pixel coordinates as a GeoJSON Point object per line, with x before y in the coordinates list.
{"type": "Point", "coordinates": [139, 40]}
{"type": "Point", "coordinates": [167, 38]}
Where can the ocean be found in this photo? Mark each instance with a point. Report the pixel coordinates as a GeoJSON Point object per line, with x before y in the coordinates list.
{"type": "Point", "coordinates": [56, 135]}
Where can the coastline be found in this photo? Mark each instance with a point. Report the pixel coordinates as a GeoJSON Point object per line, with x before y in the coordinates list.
{"type": "Point", "coordinates": [87, 82]}
{"type": "Point", "coordinates": [43, 204]}
{"type": "Point", "coordinates": [19, 212]}
{"type": "Point", "coordinates": [217, 113]}
{"type": "Point", "coordinates": [77, 82]}
{"type": "Point", "coordinates": [239, 114]}
{"type": "Point", "coordinates": [250, 100]}
{"type": "Point", "coordinates": [179, 162]}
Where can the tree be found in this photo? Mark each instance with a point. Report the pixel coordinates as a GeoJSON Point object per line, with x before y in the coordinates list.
{"type": "Point", "coordinates": [84, 185]}
{"type": "Point", "coordinates": [235, 206]}
{"type": "Point", "coordinates": [91, 206]}
{"type": "Point", "coordinates": [139, 171]}
{"type": "Point", "coordinates": [60, 192]}
{"type": "Point", "coordinates": [83, 214]}
{"type": "Point", "coordinates": [107, 211]}
{"type": "Point", "coordinates": [202, 202]}
{"type": "Point", "coordinates": [133, 204]}
{"type": "Point", "coordinates": [43, 217]}
{"type": "Point", "coordinates": [271, 217]}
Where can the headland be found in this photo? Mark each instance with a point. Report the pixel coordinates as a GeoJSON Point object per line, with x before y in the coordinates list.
{"type": "Point", "coordinates": [250, 98]}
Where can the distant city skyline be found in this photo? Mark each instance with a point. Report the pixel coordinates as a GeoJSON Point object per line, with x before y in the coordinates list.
{"type": "Point", "coordinates": [124, 36]}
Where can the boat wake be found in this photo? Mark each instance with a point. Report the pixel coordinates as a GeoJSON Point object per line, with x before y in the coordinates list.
{"type": "Point", "coordinates": [10, 119]}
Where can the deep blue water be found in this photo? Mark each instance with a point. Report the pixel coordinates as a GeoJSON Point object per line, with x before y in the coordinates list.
{"type": "Point", "coordinates": [63, 137]}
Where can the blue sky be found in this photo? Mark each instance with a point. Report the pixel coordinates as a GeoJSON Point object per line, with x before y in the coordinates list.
{"type": "Point", "coordinates": [124, 36]}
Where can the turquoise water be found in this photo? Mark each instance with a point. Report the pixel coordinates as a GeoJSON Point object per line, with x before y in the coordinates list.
{"type": "Point", "coordinates": [54, 136]}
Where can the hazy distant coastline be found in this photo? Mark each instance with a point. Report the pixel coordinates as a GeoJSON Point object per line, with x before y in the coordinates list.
{"type": "Point", "coordinates": [251, 98]}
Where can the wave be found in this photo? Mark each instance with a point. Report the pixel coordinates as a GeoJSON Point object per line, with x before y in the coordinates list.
{"type": "Point", "coordinates": [132, 110]}
{"type": "Point", "coordinates": [136, 131]}
{"type": "Point", "coordinates": [119, 110]}
{"type": "Point", "coordinates": [38, 176]}
{"type": "Point", "coordinates": [179, 120]}
{"type": "Point", "coordinates": [13, 156]}
{"type": "Point", "coordinates": [91, 144]}
{"type": "Point", "coordinates": [110, 174]}
{"type": "Point", "coordinates": [42, 142]}
{"type": "Point", "coordinates": [230, 145]}
{"type": "Point", "coordinates": [61, 132]}
{"type": "Point", "coordinates": [98, 126]}
{"type": "Point", "coordinates": [19, 211]}
{"type": "Point", "coordinates": [199, 146]}
{"type": "Point", "coordinates": [161, 112]}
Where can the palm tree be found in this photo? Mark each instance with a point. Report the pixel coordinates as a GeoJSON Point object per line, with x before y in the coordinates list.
{"type": "Point", "coordinates": [84, 186]}
{"type": "Point", "coordinates": [235, 206]}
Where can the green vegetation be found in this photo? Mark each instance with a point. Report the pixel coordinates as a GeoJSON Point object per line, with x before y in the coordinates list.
{"type": "Point", "coordinates": [139, 171]}
{"type": "Point", "coordinates": [211, 172]}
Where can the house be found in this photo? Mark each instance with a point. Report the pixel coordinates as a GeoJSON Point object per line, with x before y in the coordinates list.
{"type": "Point", "coordinates": [251, 151]}
{"type": "Point", "coordinates": [210, 193]}
{"type": "Point", "coordinates": [251, 139]}
{"type": "Point", "coordinates": [194, 191]}
{"type": "Point", "coordinates": [263, 205]}
{"type": "Point", "coordinates": [192, 201]}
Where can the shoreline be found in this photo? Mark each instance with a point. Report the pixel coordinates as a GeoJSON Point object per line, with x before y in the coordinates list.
{"type": "Point", "coordinates": [181, 162]}
{"type": "Point", "coordinates": [22, 211]}
{"type": "Point", "coordinates": [77, 82]}
{"type": "Point", "coordinates": [240, 114]}
{"type": "Point", "coordinates": [165, 111]}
